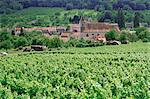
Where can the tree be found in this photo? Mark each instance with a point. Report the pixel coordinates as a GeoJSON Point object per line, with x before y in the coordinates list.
{"type": "Point", "coordinates": [55, 43]}
{"type": "Point", "coordinates": [69, 6]}
{"type": "Point", "coordinates": [127, 7]}
{"type": "Point", "coordinates": [140, 6]}
{"type": "Point", "coordinates": [123, 37]}
{"type": "Point", "coordinates": [132, 37]}
{"type": "Point", "coordinates": [107, 5]}
{"type": "Point", "coordinates": [139, 30]}
{"type": "Point", "coordinates": [5, 36]}
{"type": "Point", "coordinates": [101, 8]}
{"type": "Point", "coordinates": [76, 19]}
{"type": "Point", "coordinates": [147, 5]}
{"type": "Point", "coordinates": [121, 19]}
{"type": "Point", "coordinates": [137, 20]}
{"type": "Point", "coordinates": [97, 8]}
{"type": "Point", "coordinates": [13, 5]}
{"type": "Point", "coordinates": [7, 44]}
{"type": "Point", "coordinates": [145, 36]}
{"type": "Point", "coordinates": [108, 15]}
{"type": "Point", "coordinates": [21, 41]}
{"type": "Point", "coordinates": [100, 17]}
{"type": "Point", "coordinates": [111, 35]}
{"type": "Point", "coordinates": [72, 42]}
{"type": "Point", "coordinates": [38, 40]}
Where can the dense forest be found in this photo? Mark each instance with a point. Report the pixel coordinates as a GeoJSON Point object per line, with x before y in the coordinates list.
{"type": "Point", "coordinates": [9, 6]}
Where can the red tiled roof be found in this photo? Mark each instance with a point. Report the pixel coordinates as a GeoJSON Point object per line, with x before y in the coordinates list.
{"type": "Point", "coordinates": [45, 28]}
{"type": "Point", "coordinates": [17, 29]}
{"type": "Point", "coordinates": [96, 31]}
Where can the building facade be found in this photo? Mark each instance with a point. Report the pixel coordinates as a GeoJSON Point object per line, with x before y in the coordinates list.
{"type": "Point", "coordinates": [92, 30]}
{"type": "Point", "coordinates": [45, 30]}
{"type": "Point", "coordinates": [89, 30]}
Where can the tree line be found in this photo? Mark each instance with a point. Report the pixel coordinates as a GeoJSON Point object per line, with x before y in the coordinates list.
{"type": "Point", "coordinates": [8, 6]}
{"type": "Point", "coordinates": [9, 41]}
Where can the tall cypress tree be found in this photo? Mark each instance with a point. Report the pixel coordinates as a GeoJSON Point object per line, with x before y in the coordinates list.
{"type": "Point", "coordinates": [121, 19]}
{"type": "Point", "coordinates": [137, 20]}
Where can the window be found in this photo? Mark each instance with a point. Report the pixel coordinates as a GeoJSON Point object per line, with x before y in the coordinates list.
{"type": "Point", "coordinates": [75, 31]}
{"type": "Point", "coordinates": [87, 35]}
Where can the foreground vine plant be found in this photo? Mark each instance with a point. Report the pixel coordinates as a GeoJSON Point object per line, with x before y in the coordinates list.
{"type": "Point", "coordinates": [102, 72]}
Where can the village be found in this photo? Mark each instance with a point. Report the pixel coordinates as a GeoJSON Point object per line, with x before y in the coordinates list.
{"type": "Point", "coordinates": [89, 30]}
{"type": "Point", "coordinates": [94, 31]}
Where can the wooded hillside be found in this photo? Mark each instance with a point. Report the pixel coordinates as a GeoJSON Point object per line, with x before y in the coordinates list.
{"type": "Point", "coordinates": [43, 17]}
{"type": "Point", "coordinates": [8, 6]}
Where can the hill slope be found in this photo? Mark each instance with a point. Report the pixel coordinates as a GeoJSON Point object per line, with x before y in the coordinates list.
{"type": "Point", "coordinates": [41, 16]}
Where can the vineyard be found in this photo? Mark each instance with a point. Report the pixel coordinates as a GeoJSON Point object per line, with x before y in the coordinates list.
{"type": "Point", "coordinates": [107, 72]}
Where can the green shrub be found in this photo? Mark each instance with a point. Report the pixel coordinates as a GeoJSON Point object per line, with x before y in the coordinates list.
{"type": "Point", "coordinates": [132, 37]}
{"type": "Point", "coordinates": [111, 35]}
{"type": "Point", "coordinates": [21, 41]}
{"type": "Point", "coordinates": [123, 37]}
{"type": "Point", "coordinates": [146, 40]}
{"type": "Point", "coordinates": [5, 36]}
{"type": "Point", "coordinates": [7, 44]}
{"type": "Point", "coordinates": [86, 43]}
{"type": "Point", "coordinates": [139, 30]}
{"type": "Point", "coordinates": [145, 35]}
{"type": "Point", "coordinates": [39, 40]}
{"type": "Point", "coordinates": [55, 43]}
{"type": "Point", "coordinates": [71, 43]}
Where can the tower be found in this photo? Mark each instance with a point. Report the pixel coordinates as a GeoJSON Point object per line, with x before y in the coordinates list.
{"type": "Point", "coordinates": [81, 24]}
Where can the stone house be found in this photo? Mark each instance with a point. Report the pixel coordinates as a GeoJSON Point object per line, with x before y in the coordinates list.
{"type": "Point", "coordinates": [89, 30]}
{"type": "Point", "coordinates": [45, 30]}
{"type": "Point", "coordinates": [144, 25]}
{"type": "Point", "coordinates": [65, 36]}
{"type": "Point", "coordinates": [129, 26]}
{"type": "Point", "coordinates": [17, 31]}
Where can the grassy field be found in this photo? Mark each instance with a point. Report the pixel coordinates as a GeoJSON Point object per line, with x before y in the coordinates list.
{"type": "Point", "coordinates": [107, 72]}
{"type": "Point", "coordinates": [55, 16]}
